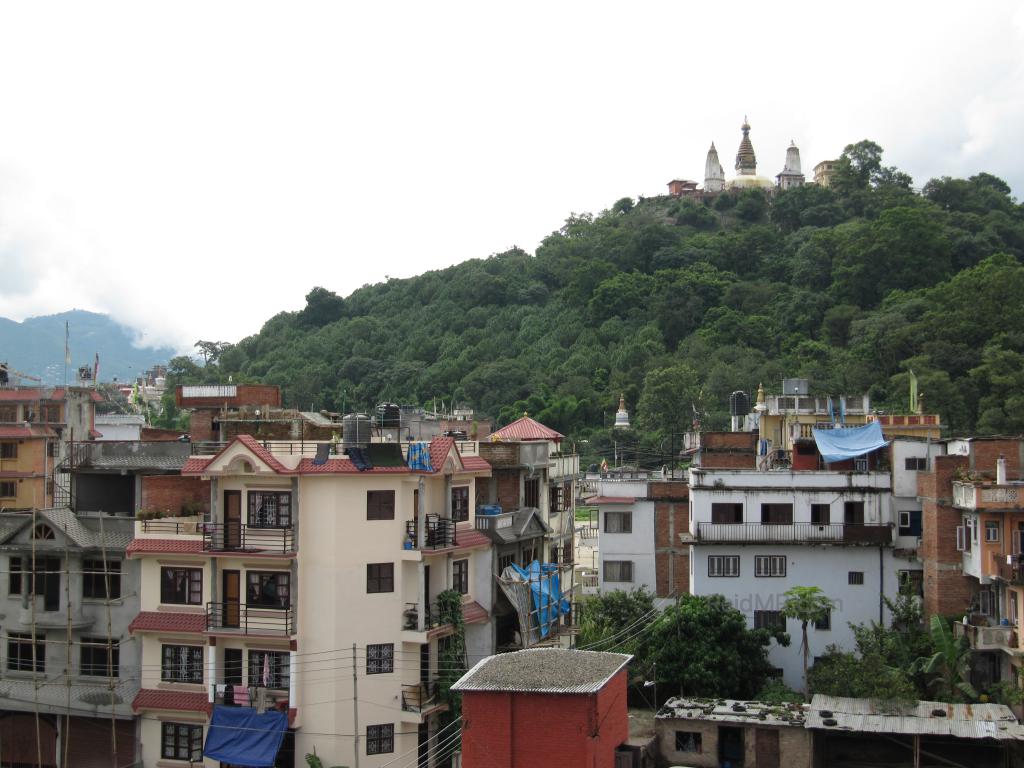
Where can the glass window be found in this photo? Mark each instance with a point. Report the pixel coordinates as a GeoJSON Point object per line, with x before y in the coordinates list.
{"type": "Point", "coordinates": [20, 649]}
{"type": "Point", "coordinates": [95, 579]}
{"type": "Point", "coordinates": [268, 669]}
{"type": "Point", "coordinates": [380, 658]}
{"type": "Point", "coordinates": [853, 513]}
{"type": "Point", "coordinates": [723, 565]}
{"type": "Point", "coordinates": [855, 577]}
{"type": "Point", "coordinates": [618, 570]}
{"type": "Point", "coordinates": [460, 576]}
{"type": "Point", "coordinates": [380, 577]}
{"type": "Point", "coordinates": [776, 514]}
{"type": "Point", "coordinates": [825, 622]}
{"type": "Point", "coordinates": [380, 505]}
{"type": "Point", "coordinates": [910, 522]}
{"type": "Point", "coordinates": [915, 464]}
{"type": "Point", "coordinates": [729, 514]}
{"type": "Point", "coordinates": [531, 493]}
{"type": "Point", "coordinates": [181, 586]}
{"type": "Point", "coordinates": [268, 589]}
{"type": "Point", "coordinates": [618, 522]}
{"type": "Point", "coordinates": [688, 741]}
{"type": "Point", "coordinates": [8, 489]}
{"type": "Point", "coordinates": [820, 514]}
{"type": "Point", "coordinates": [233, 666]}
{"type": "Point", "coordinates": [181, 663]}
{"type": "Point", "coordinates": [991, 530]}
{"type": "Point", "coordinates": [769, 565]}
{"type": "Point", "coordinates": [8, 450]}
{"type": "Point", "coordinates": [270, 509]}
{"type": "Point", "coordinates": [460, 503]}
{"type": "Point", "coordinates": [15, 579]}
{"type": "Point", "coordinates": [98, 658]}
{"type": "Point", "coordinates": [182, 741]}
{"type": "Point", "coordinates": [380, 739]}
{"type": "Point", "coordinates": [769, 620]}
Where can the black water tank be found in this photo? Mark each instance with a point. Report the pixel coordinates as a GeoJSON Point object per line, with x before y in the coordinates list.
{"type": "Point", "coordinates": [739, 404]}
{"type": "Point", "coordinates": [389, 415]}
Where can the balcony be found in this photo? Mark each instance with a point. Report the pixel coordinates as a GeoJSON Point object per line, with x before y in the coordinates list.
{"type": "Point", "coordinates": [434, 618]}
{"type": "Point", "coordinates": [986, 638]}
{"type": "Point", "coordinates": [229, 537]}
{"type": "Point", "coordinates": [249, 619]}
{"type": "Point", "coordinates": [439, 534]}
{"type": "Point", "coordinates": [168, 526]}
{"type": "Point", "coordinates": [987, 496]}
{"type": "Point", "coordinates": [764, 533]}
{"type": "Point", "coordinates": [421, 697]}
{"type": "Point", "coordinates": [1008, 567]}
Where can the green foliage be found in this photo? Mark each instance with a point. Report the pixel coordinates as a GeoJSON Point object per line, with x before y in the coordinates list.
{"type": "Point", "coordinates": [451, 661]}
{"type": "Point", "coordinates": [838, 673]}
{"type": "Point", "coordinates": [777, 692]}
{"type": "Point", "coordinates": [947, 670]}
{"type": "Point", "coordinates": [609, 618]}
{"type": "Point", "coordinates": [806, 604]}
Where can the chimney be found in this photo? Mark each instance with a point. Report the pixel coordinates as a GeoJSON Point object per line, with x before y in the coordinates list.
{"type": "Point", "coordinates": [1001, 470]}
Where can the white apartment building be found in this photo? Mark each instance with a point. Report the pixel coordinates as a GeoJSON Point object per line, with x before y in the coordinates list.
{"type": "Point", "coordinates": [312, 587]}
{"type": "Point", "coordinates": [755, 534]}
{"type": "Point", "coordinates": [625, 548]}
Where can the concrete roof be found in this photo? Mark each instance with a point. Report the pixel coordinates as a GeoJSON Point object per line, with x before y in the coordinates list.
{"type": "Point", "coordinates": [544, 670]}
{"type": "Point", "coordinates": [733, 711]}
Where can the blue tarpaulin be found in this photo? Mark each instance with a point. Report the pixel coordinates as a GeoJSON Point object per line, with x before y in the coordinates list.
{"type": "Point", "coordinates": [850, 442]}
{"type": "Point", "coordinates": [419, 457]}
{"type": "Point", "coordinates": [546, 592]}
{"type": "Point", "coordinates": [239, 736]}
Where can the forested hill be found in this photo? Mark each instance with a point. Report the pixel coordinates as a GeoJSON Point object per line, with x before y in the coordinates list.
{"type": "Point", "coordinates": [677, 303]}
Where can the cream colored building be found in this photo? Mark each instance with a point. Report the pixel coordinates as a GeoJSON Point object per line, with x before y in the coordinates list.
{"type": "Point", "coordinates": [312, 589]}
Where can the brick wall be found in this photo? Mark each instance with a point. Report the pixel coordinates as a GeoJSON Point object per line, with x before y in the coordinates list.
{"type": "Point", "coordinates": [671, 557]}
{"type": "Point", "coordinates": [668, 489]}
{"type": "Point", "coordinates": [725, 460]}
{"type": "Point", "coordinates": [507, 494]}
{"type": "Point", "coordinates": [200, 426]}
{"type": "Point", "coordinates": [500, 454]}
{"type": "Point", "coordinates": [985, 453]}
{"type": "Point", "coordinates": [741, 441]}
{"type": "Point", "coordinates": [947, 591]}
{"type": "Point", "coordinates": [169, 492]}
{"type": "Point", "coordinates": [514, 730]}
{"type": "Point", "coordinates": [246, 394]}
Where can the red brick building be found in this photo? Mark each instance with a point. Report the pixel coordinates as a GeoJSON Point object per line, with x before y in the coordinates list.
{"type": "Point", "coordinates": [544, 707]}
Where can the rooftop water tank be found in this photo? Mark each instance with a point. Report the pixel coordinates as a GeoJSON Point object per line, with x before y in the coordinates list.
{"type": "Point", "coordinates": [355, 430]}
{"type": "Point", "coordinates": [389, 415]}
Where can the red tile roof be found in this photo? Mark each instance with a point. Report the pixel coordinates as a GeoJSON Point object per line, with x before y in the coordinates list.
{"type": "Point", "coordinates": [194, 465]}
{"type": "Point", "coordinates": [440, 447]}
{"type": "Point", "coordinates": [25, 430]}
{"type": "Point", "coordinates": [164, 546]}
{"type": "Point", "coordinates": [344, 467]}
{"type": "Point", "coordinates": [525, 429]}
{"type": "Point", "coordinates": [475, 464]}
{"type": "Point", "coordinates": [470, 537]}
{"type": "Point", "coordinates": [179, 701]}
{"type": "Point", "coordinates": [161, 621]}
{"type": "Point", "coordinates": [474, 613]}
{"type": "Point", "coordinates": [260, 452]}
{"type": "Point", "coordinates": [95, 434]}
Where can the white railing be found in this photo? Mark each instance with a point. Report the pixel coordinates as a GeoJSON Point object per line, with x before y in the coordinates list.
{"type": "Point", "coordinates": [964, 495]}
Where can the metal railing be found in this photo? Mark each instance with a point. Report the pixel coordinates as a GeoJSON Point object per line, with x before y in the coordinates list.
{"type": "Point", "coordinates": [435, 617]}
{"type": "Point", "coordinates": [440, 533]}
{"type": "Point", "coordinates": [250, 619]}
{"type": "Point", "coordinates": [420, 696]}
{"type": "Point", "coordinates": [1008, 567]}
{"type": "Point", "coordinates": [227, 537]}
{"type": "Point", "coordinates": [176, 527]}
{"type": "Point", "coordinates": [838, 533]}
{"type": "Point", "coordinates": [287, 447]}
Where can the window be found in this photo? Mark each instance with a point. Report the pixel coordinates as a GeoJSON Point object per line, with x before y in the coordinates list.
{"type": "Point", "coordinates": [270, 509]}
{"type": "Point", "coordinates": [20, 649]}
{"type": "Point", "coordinates": [555, 503]}
{"type": "Point", "coordinates": [855, 577]}
{"type": "Point", "coordinates": [1011, 604]}
{"type": "Point", "coordinates": [618, 522]}
{"type": "Point", "coordinates": [95, 579]}
{"type": "Point", "coordinates": [769, 565]}
{"type": "Point", "coordinates": [54, 449]}
{"type": "Point", "coordinates": [268, 669]}
{"type": "Point", "coordinates": [820, 514]}
{"type": "Point", "coordinates": [380, 505]}
{"type": "Point", "coordinates": [98, 659]}
{"type": "Point", "coordinates": [268, 589]}
{"type": "Point", "coordinates": [43, 532]}
{"type": "Point", "coordinates": [15, 578]}
{"type": "Point", "coordinates": [181, 663]}
{"type": "Point", "coordinates": [915, 464]}
{"type": "Point", "coordinates": [688, 741]}
{"type": "Point", "coordinates": [618, 570]}
{"type": "Point", "coordinates": [853, 513]}
{"type": "Point", "coordinates": [912, 582]}
{"type": "Point", "coordinates": [51, 414]}
{"type": "Point", "coordinates": [769, 620]}
{"type": "Point", "coordinates": [380, 577]}
{"type": "Point", "coordinates": [727, 513]}
{"type": "Point", "coordinates": [776, 514]}
{"type": "Point", "coordinates": [233, 666]}
{"type": "Point", "coordinates": [991, 530]}
{"type": "Point", "coordinates": [531, 493]}
{"type": "Point", "coordinates": [504, 561]}
{"type": "Point", "coordinates": [460, 576]}
{"type": "Point", "coordinates": [460, 503]}
{"type": "Point", "coordinates": [910, 522]}
{"type": "Point", "coordinates": [825, 622]}
{"type": "Point", "coordinates": [8, 489]}
{"type": "Point", "coordinates": [8, 450]}
{"type": "Point", "coordinates": [380, 658]}
{"type": "Point", "coordinates": [723, 565]}
{"type": "Point", "coordinates": [527, 556]}
{"type": "Point", "coordinates": [987, 602]}
{"type": "Point", "coordinates": [8, 414]}
{"type": "Point", "coordinates": [380, 739]}
{"type": "Point", "coordinates": [182, 741]}
{"type": "Point", "coordinates": [181, 586]}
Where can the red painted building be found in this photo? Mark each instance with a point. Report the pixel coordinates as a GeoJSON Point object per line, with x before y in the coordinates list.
{"type": "Point", "coordinates": [544, 707]}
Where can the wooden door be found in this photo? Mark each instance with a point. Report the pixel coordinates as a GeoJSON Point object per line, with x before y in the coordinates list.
{"type": "Point", "coordinates": [232, 519]}
{"type": "Point", "coordinates": [767, 745]}
{"type": "Point", "coordinates": [231, 597]}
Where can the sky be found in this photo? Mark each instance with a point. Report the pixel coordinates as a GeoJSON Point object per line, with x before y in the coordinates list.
{"type": "Point", "coordinates": [194, 168]}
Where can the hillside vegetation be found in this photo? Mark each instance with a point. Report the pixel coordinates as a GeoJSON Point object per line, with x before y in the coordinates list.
{"type": "Point", "coordinates": [677, 303]}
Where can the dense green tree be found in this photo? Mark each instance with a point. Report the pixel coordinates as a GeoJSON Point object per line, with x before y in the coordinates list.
{"type": "Point", "coordinates": [806, 604]}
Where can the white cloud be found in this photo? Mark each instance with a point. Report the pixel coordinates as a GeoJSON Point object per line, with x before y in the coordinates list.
{"type": "Point", "coordinates": [194, 169]}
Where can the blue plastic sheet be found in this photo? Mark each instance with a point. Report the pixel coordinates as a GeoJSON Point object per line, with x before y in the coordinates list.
{"type": "Point", "coordinates": [850, 442]}
{"type": "Point", "coordinates": [419, 457]}
{"type": "Point", "coordinates": [546, 591]}
{"type": "Point", "coordinates": [239, 736]}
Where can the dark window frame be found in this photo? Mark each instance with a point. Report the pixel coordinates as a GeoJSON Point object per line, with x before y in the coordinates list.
{"type": "Point", "coordinates": [380, 505]}
{"type": "Point", "coordinates": [269, 509]}
{"type": "Point", "coordinates": [380, 578]}
{"type": "Point", "coordinates": [380, 658]}
{"type": "Point", "coordinates": [777, 513]}
{"type": "Point", "coordinates": [460, 576]}
{"type": "Point", "coordinates": [97, 659]}
{"type": "Point", "coordinates": [19, 652]}
{"type": "Point", "coordinates": [771, 620]}
{"type": "Point", "coordinates": [722, 560]}
{"type": "Point", "coordinates": [233, 667]}
{"type": "Point", "coordinates": [181, 663]}
{"type": "Point", "coordinates": [821, 514]}
{"type": "Point", "coordinates": [825, 624]}
{"type": "Point", "coordinates": [279, 668]}
{"type": "Point", "coordinates": [915, 463]}
{"type": "Point", "coordinates": [8, 489]}
{"type": "Point", "coordinates": [764, 566]}
{"type": "Point", "coordinates": [625, 518]}
{"type": "Point", "coordinates": [16, 576]}
{"type": "Point", "coordinates": [690, 742]}
{"type": "Point", "coordinates": [94, 579]}
{"type": "Point", "coordinates": [181, 585]}
{"type": "Point", "coordinates": [380, 739]}
{"type": "Point", "coordinates": [855, 578]}
{"type": "Point", "coordinates": [531, 493]}
{"type": "Point", "coordinates": [460, 503]}
{"type": "Point", "coordinates": [268, 589]}
{"type": "Point", "coordinates": [727, 513]}
{"type": "Point", "coordinates": [181, 741]}
{"type": "Point", "coordinates": [8, 449]}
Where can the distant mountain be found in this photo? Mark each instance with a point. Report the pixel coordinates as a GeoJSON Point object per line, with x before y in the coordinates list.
{"type": "Point", "coordinates": [36, 347]}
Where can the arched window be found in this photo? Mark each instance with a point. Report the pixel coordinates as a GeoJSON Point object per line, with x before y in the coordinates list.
{"type": "Point", "coordinates": [42, 532]}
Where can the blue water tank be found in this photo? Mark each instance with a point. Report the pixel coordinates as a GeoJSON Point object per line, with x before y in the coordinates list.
{"type": "Point", "coordinates": [489, 509]}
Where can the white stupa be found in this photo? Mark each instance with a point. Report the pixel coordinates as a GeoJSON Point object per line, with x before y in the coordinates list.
{"type": "Point", "coordinates": [622, 415]}
{"type": "Point", "coordinates": [746, 165]}
{"type": "Point", "coordinates": [791, 175]}
{"type": "Point", "coordinates": [714, 174]}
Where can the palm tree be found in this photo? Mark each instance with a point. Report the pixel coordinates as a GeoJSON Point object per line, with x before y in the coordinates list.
{"type": "Point", "coordinates": [948, 670]}
{"type": "Point", "coordinates": [806, 604]}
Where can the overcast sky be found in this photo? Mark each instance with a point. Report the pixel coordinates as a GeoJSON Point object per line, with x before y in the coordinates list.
{"type": "Point", "coordinates": [194, 168]}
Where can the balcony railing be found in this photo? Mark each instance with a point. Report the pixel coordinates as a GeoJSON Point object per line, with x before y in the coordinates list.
{"type": "Point", "coordinates": [986, 638]}
{"type": "Point", "coordinates": [226, 537]}
{"type": "Point", "coordinates": [249, 619]}
{"type": "Point", "coordinates": [435, 617]}
{"type": "Point", "coordinates": [1009, 567]}
{"type": "Point", "coordinates": [755, 533]}
{"type": "Point", "coordinates": [285, 447]}
{"type": "Point", "coordinates": [172, 527]}
{"type": "Point", "coordinates": [420, 696]}
{"type": "Point", "coordinates": [440, 533]}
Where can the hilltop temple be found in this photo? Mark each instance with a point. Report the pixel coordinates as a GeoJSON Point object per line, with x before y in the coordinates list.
{"type": "Point", "coordinates": [746, 172]}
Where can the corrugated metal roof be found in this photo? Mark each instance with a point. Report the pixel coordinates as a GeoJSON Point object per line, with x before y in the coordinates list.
{"type": "Point", "coordinates": [965, 721]}
{"type": "Point", "coordinates": [544, 670]}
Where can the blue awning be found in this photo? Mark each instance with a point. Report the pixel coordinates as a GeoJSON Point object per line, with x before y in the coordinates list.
{"type": "Point", "coordinates": [850, 442]}
{"type": "Point", "coordinates": [239, 736]}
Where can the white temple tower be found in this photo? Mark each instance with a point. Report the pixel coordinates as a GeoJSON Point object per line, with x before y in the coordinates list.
{"type": "Point", "coordinates": [622, 415]}
{"type": "Point", "coordinates": [714, 174]}
{"type": "Point", "coordinates": [791, 175]}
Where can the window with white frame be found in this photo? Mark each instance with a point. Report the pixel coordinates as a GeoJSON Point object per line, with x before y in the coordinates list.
{"type": "Point", "coordinates": [723, 565]}
{"type": "Point", "coordinates": [991, 530]}
{"type": "Point", "coordinates": [769, 565]}
{"type": "Point", "coordinates": [1011, 606]}
{"type": "Point", "coordinates": [987, 602]}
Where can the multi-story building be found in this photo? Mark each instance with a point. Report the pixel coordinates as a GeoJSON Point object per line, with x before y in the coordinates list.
{"type": "Point", "coordinates": [311, 586]}
{"type": "Point", "coordinates": [36, 424]}
{"type": "Point", "coordinates": [66, 655]}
